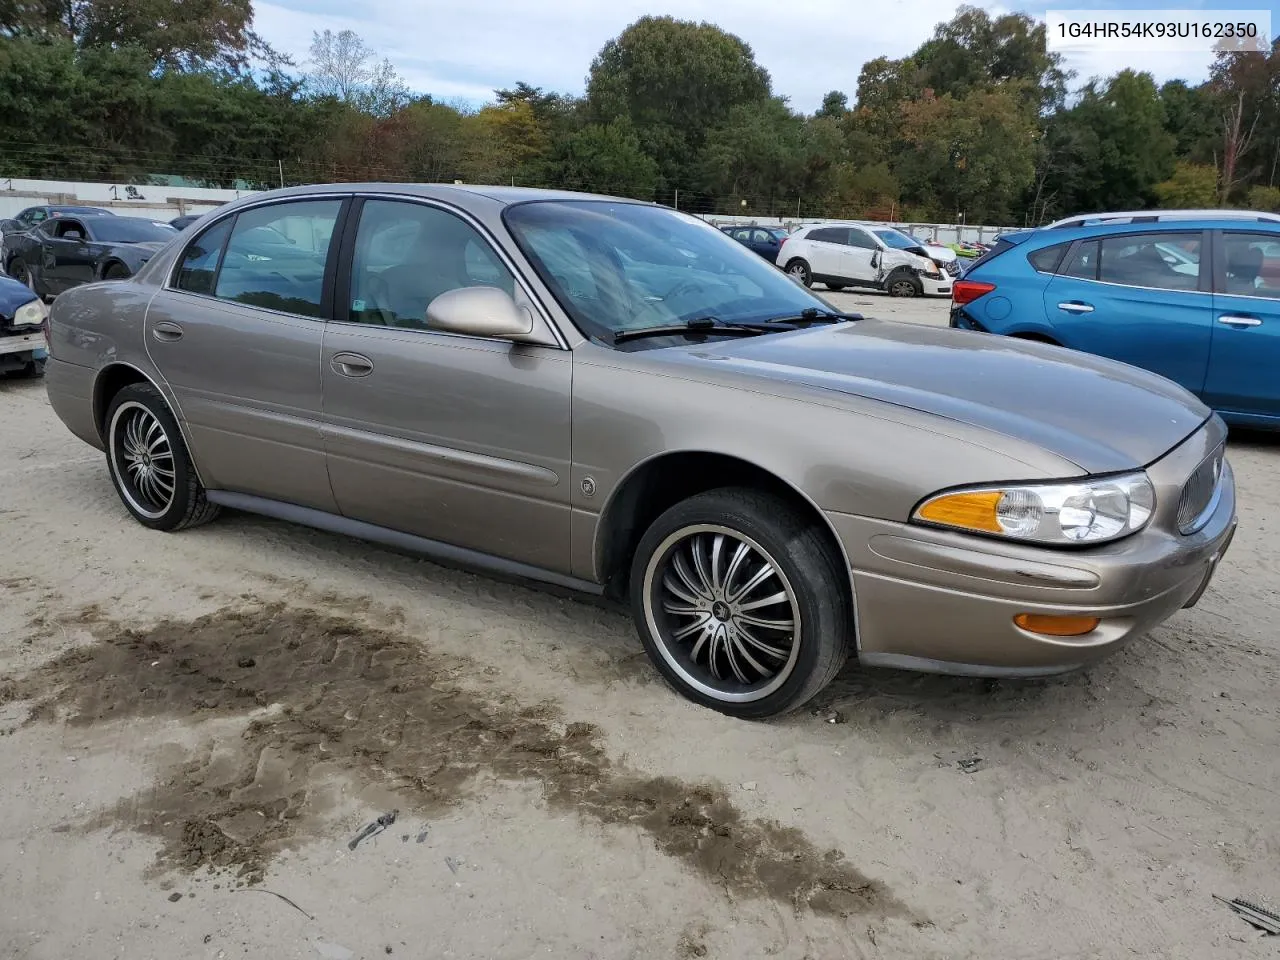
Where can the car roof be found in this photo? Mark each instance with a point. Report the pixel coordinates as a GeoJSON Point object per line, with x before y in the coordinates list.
{"type": "Point", "coordinates": [65, 208]}
{"type": "Point", "coordinates": [1160, 216]}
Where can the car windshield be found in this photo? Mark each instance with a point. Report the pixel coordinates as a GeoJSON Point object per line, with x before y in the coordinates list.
{"type": "Point", "coordinates": [120, 230]}
{"type": "Point", "coordinates": [617, 267]}
{"type": "Point", "coordinates": [900, 241]}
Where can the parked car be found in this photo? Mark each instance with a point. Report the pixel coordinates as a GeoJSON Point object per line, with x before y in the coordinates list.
{"type": "Point", "coordinates": [66, 251]}
{"type": "Point", "coordinates": [1197, 301]}
{"type": "Point", "coordinates": [184, 221]}
{"type": "Point", "coordinates": [23, 345]}
{"type": "Point", "coordinates": [32, 216]}
{"type": "Point", "coordinates": [858, 255]}
{"type": "Point", "coordinates": [616, 397]}
{"type": "Point", "coordinates": [766, 241]}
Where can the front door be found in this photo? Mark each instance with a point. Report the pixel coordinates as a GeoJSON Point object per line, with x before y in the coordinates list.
{"type": "Point", "coordinates": [1244, 361]}
{"type": "Point", "coordinates": [238, 338]}
{"type": "Point", "coordinates": [68, 255]}
{"type": "Point", "coordinates": [1140, 298]}
{"type": "Point", "coordinates": [858, 256]}
{"type": "Point", "coordinates": [463, 440]}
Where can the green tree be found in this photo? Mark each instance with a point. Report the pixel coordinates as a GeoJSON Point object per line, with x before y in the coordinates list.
{"type": "Point", "coordinates": [607, 158]}
{"type": "Point", "coordinates": [1192, 186]}
{"type": "Point", "coordinates": [674, 80]}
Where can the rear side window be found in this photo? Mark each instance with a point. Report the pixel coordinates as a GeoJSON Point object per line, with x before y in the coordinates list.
{"type": "Point", "coordinates": [1046, 260]}
{"type": "Point", "coordinates": [276, 256]}
{"type": "Point", "coordinates": [830, 235]}
{"type": "Point", "coordinates": [199, 264]}
{"type": "Point", "coordinates": [1082, 262]}
{"type": "Point", "coordinates": [1161, 261]}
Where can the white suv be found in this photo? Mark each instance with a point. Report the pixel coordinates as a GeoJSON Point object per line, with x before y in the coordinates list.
{"type": "Point", "coordinates": [857, 255]}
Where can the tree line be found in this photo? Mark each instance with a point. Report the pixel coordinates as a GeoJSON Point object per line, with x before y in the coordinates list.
{"type": "Point", "coordinates": [981, 123]}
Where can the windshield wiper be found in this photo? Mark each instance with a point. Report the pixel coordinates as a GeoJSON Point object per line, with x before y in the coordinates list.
{"type": "Point", "coordinates": [814, 315]}
{"type": "Point", "coordinates": [698, 326]}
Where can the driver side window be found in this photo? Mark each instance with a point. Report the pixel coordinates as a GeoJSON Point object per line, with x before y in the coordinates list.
{"type": "Point", "coordinates": [407, 254]}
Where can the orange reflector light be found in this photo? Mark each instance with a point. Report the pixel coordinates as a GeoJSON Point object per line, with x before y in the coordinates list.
{"type": "Point", "coordinates": [973, 511]}
{"type": "Point", "coordinates": [1055, 626]}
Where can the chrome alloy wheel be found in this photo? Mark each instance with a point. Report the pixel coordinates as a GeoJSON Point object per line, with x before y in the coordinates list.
{"type": "Point", "coordinates": [142, 458]}
{"type": "Point", "coordinates": [722, 613]}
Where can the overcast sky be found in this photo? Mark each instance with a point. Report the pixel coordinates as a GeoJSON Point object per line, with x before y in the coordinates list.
{"type": "Point", "coordinates": [809, 46]}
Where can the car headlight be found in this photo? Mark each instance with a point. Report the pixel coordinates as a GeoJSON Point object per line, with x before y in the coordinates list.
{"type": "Point", "coordinates": [1083, 512]}
{"type": "Point", "coordinates": [30, 314]}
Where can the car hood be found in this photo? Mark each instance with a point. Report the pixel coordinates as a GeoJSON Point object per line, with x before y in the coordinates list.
{"type": "Point", "coordinates": [1101, 415]}
{"type": "Point", "coordinates": [12, 296]}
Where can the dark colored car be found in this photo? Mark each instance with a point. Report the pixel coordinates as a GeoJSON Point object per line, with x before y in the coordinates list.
{"type": "Point", "coordinates": [32, 216]}
{"type": "Point", "coordinates": [1197, 301]}
{"type": "Point", "coordinates": [23, 323]}
{"type": "Point", "coordinates": [766, 241]}
{"type": "Point", "coordinates": [184, 221]}
{"type": "Point", "coordinates": [65, 251]}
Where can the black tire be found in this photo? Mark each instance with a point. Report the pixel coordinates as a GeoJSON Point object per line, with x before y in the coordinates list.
{"type": "Point", "coordinates": [186, 504]}
{"type": "Point", "coordinates": [34, 370]}
{"type": "Point", "coordinates": [903, 284]}
{"type": "Point", "coordinates": [805, 565]}
{"type": "Point", "coordinates": [19, 270]}
{"type": "Point", "coordinates": [116, 271]}
{"type": "Point", "coordinates": [835, 287]}
{"type": "Point", "coordinates": [799, 269]}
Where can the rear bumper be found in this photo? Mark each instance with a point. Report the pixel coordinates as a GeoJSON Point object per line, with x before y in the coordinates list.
{"type": "Point", "coordinates": [945, 602]}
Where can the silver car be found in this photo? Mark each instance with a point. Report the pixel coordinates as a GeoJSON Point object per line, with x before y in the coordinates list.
{"type": "Point", "coordinates": [617, 397]}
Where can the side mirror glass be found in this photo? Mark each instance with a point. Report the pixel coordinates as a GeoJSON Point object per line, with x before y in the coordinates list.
{"type": "Point", "coordinates": [479, 312]}
{"type": "Point", "coordinates": [875, 259]}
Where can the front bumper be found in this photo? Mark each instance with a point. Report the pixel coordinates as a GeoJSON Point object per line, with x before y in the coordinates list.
{"type": "Point", "coordinates": [944, 602]}
{"type": "Point", "coordinates": [936, 288]}
{"type": "Point", "coordinates": [17, 349]}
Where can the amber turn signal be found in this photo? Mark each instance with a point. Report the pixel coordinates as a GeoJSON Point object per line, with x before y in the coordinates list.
{"type": "Point", "coordinates": [1050, 625]}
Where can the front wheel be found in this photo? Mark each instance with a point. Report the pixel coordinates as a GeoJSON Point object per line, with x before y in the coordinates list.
{"type": "Point", "coordinates": [800, 271]}
{"type": "Point", "coordinates": [904, 285]}
{"type": "Point", "coordinates": [116, 271]}
{"type": "Point", "coordinates": [741, 603]}
{"type": "Point", "coordinates": [149, 464]}
{"type": "Point", "coordinates": [33, 370]}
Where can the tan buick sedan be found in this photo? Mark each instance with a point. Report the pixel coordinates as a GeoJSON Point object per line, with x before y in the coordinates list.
{"type": "Point", "coordinates": [619, 398]}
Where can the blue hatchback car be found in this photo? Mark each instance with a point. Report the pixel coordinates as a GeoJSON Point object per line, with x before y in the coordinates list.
{"type": "Point", "coordinates": [1195, 300]}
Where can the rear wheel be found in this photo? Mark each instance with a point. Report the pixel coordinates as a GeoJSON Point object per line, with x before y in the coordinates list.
{"type": "Point", "coordinates": [149, 463]}
{"type": "Point", "coordinates": [741, 603]}
{"type": "Point", "coordinates": [800, 270]}
{"type": "Point", "coordinates": [19, 270]}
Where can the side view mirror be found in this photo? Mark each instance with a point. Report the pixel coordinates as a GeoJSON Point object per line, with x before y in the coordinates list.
{"type": "Point", "coordinates": [10, 226]}
{"type": "Point", "coordinates": [875, 259]}
{"type": "Point", "coordinates": [479, 312]}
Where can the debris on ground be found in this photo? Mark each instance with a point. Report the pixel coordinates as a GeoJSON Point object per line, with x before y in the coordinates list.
{"type": "Point", "coordinates": [175, 897]}
{"type": "Point", "coordinates": [1262, 918]}
{"type": "Point", "coordinates": [373, 829]}
{"type": "Point", "coordinates": [452, 864]}
{"type": "Point", "coordinates": [332, 951]}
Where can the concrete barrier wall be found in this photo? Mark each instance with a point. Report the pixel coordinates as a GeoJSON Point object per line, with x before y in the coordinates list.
{"type": "Point", "coordinates": [131, 200]}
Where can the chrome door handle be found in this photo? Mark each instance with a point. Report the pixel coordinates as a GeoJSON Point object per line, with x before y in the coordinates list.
{"type": "Point", "coordinates": [167, 331]}
{"type": "Point", "coordinates": [1234, 321]}
{"type": "Point", "coordinates": [1075, 307]}
{"type": "Point", "coordinates": [351, 365]}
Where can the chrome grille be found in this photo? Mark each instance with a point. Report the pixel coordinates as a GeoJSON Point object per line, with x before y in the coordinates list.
{"type": "Point", "coordinates": [1199, 492]}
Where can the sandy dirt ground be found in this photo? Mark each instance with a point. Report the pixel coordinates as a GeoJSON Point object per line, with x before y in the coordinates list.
{"type": "Point", "coordinates": [194, 727]}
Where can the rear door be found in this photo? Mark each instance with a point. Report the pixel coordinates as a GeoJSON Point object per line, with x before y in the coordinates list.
{"type": "Point", "coordinates": [237, 334]}
{"type": "Point", "coordinates": [826, 252]}
{"type": "Point", "coordinates": [1128, 297]}
{"type": "Point", "coordinates": [1244, 362]}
